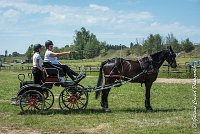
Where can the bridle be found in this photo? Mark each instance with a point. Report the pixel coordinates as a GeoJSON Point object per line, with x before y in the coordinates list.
{"type": "Point", "coordinates": [171, 55]}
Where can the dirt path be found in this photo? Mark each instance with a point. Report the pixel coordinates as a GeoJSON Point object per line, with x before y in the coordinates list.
{"type": "Point", "coordinates": [172, 80]}
{"type": "Point", "coordinates": [12, 130]}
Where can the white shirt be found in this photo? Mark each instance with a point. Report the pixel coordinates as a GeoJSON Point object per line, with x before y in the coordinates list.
{"type": "Point", "coordinates": [37, 56]}
{"type": "Point", "coordinates": [48, 58]}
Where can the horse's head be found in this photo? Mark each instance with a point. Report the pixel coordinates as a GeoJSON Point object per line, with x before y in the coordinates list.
{"type": "Point", "coordinates": [171, 58]}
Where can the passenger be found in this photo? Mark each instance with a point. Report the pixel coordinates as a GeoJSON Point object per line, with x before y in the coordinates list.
{"type": "Point", "coordinates": [37, 65]}
{"type": "Point", "coordinates": [52, 57]}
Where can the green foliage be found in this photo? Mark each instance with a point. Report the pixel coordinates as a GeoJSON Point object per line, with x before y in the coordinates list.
{"type": "Point", "coordinates": [137, 49]}
{"type": "Point", "coordinates": [153, 44]}
{"type": "Point", "coordinates": [29, 52]}
{"type": "Point", "coordinates": [173, 42]}
{"type": "Point", "coordinates": [187, 45]}
{"type": "Point", "coordinates": [86, 44]}
{"type": "Point", "coordinates": [15, 54]}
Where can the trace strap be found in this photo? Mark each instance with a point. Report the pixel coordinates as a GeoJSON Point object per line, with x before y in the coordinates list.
{"type": "Point", "coordinates": [100, 88]}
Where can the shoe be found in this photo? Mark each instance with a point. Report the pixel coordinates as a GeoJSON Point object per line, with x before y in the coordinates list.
{"type": "Point", "coordinates": [62, 79]}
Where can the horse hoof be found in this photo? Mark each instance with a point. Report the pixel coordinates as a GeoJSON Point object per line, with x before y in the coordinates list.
{"type": "Point", "coordinates": [149, 108]}
{"type": "Point", "coordinates": [107, 110]}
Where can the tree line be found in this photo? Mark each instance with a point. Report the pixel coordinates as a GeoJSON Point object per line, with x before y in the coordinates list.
{"type": "Point", "coordinates": [88, 46]}
{"type": "Point", "coordinates": [155, 43]}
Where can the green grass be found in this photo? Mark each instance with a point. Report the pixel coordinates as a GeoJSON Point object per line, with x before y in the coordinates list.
{"type": "Point", "coordinates": [172, 103]}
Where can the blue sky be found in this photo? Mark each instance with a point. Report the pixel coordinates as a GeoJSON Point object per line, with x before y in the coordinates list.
{"type": "Point", "coordinates": [26, 22]}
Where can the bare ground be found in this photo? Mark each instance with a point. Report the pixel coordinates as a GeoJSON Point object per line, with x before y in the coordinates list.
{"type": "Point", "coordinates": [172, 80]}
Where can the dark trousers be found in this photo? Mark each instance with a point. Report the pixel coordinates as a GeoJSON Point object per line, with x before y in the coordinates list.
{"type": "Point", "coordinates": [37, 75]}
{"type": "Point", "coordinates": [68, 71]}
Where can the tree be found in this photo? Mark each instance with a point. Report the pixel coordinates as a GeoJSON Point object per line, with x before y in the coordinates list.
{"type": "Point", "coordinates": [131, 44]}
{"type": "Point", "coordinates": [80, 41]}
{"type": "Point", "coordinates": [153, 44]}
{"type": "Point", "coordinates": [15, 54]}
{"type": "Point", "coordinates": [86, 44]}
{"type": "Point", "coordinates": [173, 42]}
{"type": "Point", "coordinates": [187, 45]}
{"type": "Point", "coordinates": [92, 47]}
{"type": "Point", "coordinates": [138, 49]}
{"type": "Point", "coordinates": [6, 53]}
{"type": "Point", "coordinates": [29, 52]}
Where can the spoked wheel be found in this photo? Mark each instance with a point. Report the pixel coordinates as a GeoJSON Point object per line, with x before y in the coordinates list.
{"type": "Point", "coordinates": [32, 101]}
{"type": "Point", "coordinates": [48, 98]}
{"type": "Point", "coordinates": [73, 98]}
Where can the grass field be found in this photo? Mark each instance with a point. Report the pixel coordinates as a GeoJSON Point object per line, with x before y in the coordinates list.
{"type": "Point", "coordinates": [172, 114]}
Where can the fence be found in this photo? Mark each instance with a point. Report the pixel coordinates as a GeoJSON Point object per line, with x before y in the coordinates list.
{"type": "Point", "coordinates": [89, 68]}
{"type": "Point", "coordinates": [182, 68]}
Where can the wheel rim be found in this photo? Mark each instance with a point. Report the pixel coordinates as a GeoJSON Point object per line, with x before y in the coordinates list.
{"type": "Point", "coordinates": [32, 101]}
{"type": "Point", "coordinates": [72, 99]}
{"type": "Point", "coordinates": [48, 99]}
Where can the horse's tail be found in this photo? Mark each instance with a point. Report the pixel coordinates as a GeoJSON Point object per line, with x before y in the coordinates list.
{"type": "Point", "coordinates": [100, 79]}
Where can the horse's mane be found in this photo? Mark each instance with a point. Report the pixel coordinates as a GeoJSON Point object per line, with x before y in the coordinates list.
{"type": "Point", "coordinates": [154, 55]}
{"type": "Point", "coordinates": [158, 53]}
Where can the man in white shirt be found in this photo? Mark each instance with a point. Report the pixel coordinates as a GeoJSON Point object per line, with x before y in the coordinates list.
{"type": "Point", "coordinates": [52, 58]}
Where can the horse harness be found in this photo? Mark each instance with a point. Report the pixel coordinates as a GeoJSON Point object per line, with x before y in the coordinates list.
{"type": "Point", "coordinates": [145, 64]}
{"type": "Point", "coordinates": [115, 72]}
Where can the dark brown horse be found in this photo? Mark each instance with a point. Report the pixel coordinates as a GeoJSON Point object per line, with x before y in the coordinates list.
{"type": "Point", "coordinates": [118, 69]}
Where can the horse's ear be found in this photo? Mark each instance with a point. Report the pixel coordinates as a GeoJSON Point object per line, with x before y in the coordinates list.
{"type": "Point", "coordinates": [170, 48]}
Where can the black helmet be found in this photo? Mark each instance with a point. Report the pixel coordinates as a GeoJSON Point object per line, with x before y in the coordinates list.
{"type": "Point", "coordinates": [48, 43]}
{"type": "Point", "coordinates": [36, 47]}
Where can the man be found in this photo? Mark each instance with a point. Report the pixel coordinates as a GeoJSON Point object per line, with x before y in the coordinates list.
{"type": "Point", "coordinates": [52, 58]}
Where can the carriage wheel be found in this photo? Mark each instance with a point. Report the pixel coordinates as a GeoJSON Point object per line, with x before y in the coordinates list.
{"type": "Point", "coordinates": [73, 98]}
{"type": "Point", "coordinates": [48, 99]}
{"type": "Point", "coordinates": [31, 101]}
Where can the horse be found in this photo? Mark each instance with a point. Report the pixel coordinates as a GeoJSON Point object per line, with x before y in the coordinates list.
{"type": "Point", "coordinates": [146, 69]}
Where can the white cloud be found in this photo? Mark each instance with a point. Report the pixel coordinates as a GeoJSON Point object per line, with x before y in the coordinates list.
{"type": "Point", "coordinates": [56, 16]}
{"type": "Point", "coordinates": [122, 24]}
{"type": "Point", "coordinates": [93, 14]}
{"type": "Point", "coordinates": [176, 28]}
{"type": "Point", "coordinates": [98, 7]}
{"type": "Point", "coordinates": [11, 15]}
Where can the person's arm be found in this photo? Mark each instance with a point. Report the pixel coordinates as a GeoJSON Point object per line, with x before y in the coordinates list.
{"type": "Point", "coordinates": [59, 54]}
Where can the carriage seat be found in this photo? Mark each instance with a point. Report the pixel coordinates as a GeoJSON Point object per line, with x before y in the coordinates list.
{"type": "Point", "coordinates": [52, 72]}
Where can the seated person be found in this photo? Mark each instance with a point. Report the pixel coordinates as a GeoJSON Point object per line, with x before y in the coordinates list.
{"type": "Point", "coordinates": [52, 58]}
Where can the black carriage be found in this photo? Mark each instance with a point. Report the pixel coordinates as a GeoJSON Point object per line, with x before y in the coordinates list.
{"type": "Point", "coordinates": [35, 97]}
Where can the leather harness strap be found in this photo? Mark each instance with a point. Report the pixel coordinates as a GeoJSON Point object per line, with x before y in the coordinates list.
{"type": "Point", "coordinates": [115, 73]}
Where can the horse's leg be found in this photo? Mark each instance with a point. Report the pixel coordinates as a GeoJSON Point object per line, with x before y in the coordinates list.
{"type": "Point", "coordinates": [104, 100]}
{"type": "Point", "coordinates": [148, 93]}
{"type": "Point", "coordinates": [104, 96]}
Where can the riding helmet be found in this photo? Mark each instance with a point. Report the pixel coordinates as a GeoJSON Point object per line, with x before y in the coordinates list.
{"type": "Point", "coordinates": [48, 43]}
{"type": "Point", "coordinates": [36, 47]}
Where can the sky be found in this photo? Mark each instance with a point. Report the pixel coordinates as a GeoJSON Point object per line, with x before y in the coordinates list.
{"type": "Point", "coordinates": [26, 22]}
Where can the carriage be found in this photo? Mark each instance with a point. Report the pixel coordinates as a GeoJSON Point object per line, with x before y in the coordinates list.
{"type": "Point", "coordinates": [117, 71]}
{"type": "Point", "coordinates": [38, 97]}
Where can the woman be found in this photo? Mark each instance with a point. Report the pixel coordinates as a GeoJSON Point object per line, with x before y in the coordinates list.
{"type": "Point", "coordinates": [37, 64]}
{"type": "Point", "coordinates": [52, 58]}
